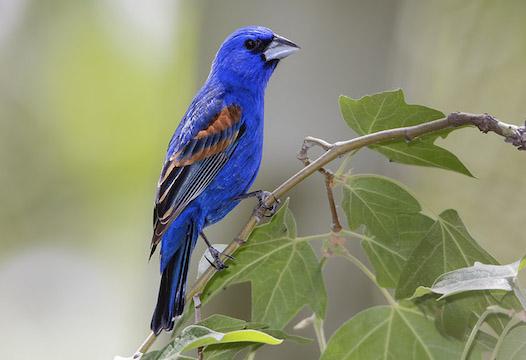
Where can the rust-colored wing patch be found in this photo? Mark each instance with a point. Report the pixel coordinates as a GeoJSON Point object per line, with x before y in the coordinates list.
{"type": "Point", "coordinates": [215, 138]}
{"type": "Point", "coordinates": [174, 191]}
{"type": "Point", "coordinates": [219, 134]}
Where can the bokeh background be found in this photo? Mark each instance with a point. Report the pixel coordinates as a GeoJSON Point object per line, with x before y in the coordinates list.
{"type": "Point", "coordinates": [90, 92]}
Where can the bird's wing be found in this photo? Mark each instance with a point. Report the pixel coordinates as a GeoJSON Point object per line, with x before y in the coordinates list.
{"type": "Point", "coordinates": [193, 164]}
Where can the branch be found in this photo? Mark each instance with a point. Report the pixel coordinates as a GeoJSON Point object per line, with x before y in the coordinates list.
{"type": "Point", "coordinates": [513, 134]}
{"type": "Point", "coordinates": [197, 314]}
{"type": "Point", "coordinates": [329, 177]}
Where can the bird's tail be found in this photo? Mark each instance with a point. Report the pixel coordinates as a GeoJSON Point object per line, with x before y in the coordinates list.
{"type": "Point", "coordinates": [172, 292]}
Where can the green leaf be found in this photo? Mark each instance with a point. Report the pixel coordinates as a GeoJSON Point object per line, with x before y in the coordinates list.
{"type": "Point", "coordinates": [226, 323]}
{"type": "Point", "coordinates": [394, 224]}
{"type": "Point", "coordinates": [389, 110]}
{"type": "Point", "coordinates": [223, 323]}
{"type": "Point", "coordinates": [421, 291]}
{"type": "Point", "coordinates": [229, 351]}
{"type": "Point", "coordinates": [247, 335]}
{"type": "Point", "coordinates": [477, 277]}
{"type": "Point", "coordinates": [514, 345]}
{"type": "Point", "coordinates": [446, 247]}
{"type": "Point", "coordinates": [284, 273]}
{"type": "Point", "coordinates": [226, 351]}
{"type": "Point", "coordinates": [195, 336]}
{"type": "Point", "coordinates": [484, 343]}
{"type": "Point", "coordinates": [391, 332]}
{"type": "Point", "coordinates": [459, 313]}
{"type": "Point", "coordinates": [152, 355]}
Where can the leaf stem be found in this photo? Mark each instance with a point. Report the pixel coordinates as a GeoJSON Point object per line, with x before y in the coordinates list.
{"type": "Point", "coordinates": [320, 333]}
{"type": "Point", "coordinates": [490, 310]}
{"type": "Point", "coordinates": [519, 293]}
{"type": "Point", "coordinates": [197, 314]}
{"type": "Point", "coordinates": [313, 237]}
{"type": "Point", "coordinates": [251, 355]}
{"type": "Point", "coordinates": [336, 226]}
{"type": "Point", "coordinates": [360, 265]}
{"type": "Point", "coordinates": [354, 234]}
{"type": "Point", "coordinates": [343, 165]}
{"type": "Point", "coordinates": [513, 321]}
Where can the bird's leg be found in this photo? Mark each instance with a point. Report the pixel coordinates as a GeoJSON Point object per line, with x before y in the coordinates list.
{"type": "Point", "coordinates": [218, 264]}
{"type": "Point", "coordinates": [262, 196]}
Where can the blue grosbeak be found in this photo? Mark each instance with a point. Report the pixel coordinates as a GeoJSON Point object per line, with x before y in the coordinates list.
{"type": "Point", "coordinates": [212, 158]}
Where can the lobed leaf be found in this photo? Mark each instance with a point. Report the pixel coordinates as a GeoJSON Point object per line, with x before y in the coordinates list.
{"type": "Point", "coordinates": [391, 332]}
{"type": "Point", "coordinates": [284, 272]}
{"type": "Point", "coordinates": [394, 224]}
{"type": "Point", "coordinates": [389, 110]}
{"type": "Point", "coordinates": [459, 313]}
{"type": "Point", "coordinates": [446, 247]}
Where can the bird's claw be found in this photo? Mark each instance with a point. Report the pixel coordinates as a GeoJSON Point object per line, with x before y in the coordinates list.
{"type": "Point", "coordinates": [218, 264]}
{"type": "Point", "coordinates": [264, 210]}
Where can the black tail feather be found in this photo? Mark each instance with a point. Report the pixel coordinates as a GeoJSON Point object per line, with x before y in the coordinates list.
{"type": "Point", "coordinates": [172, 291]}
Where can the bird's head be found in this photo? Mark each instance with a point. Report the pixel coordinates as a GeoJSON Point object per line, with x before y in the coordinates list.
{"type": "Point", "coordinates": [249, 56]}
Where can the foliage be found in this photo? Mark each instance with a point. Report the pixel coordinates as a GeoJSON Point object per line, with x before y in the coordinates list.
{"type": "Point", "coordinates": [387, 332]}
{"type": "Point", "coordinates": [477, 277]}
{"type": "Point", "coordinates": [414, 257]}
{"type": "Point", "coordinates": [389, 110]}
{"type": "Point", "coordinates": [394, 224]}
{"type": "Point", "coordinates": [195, 336]}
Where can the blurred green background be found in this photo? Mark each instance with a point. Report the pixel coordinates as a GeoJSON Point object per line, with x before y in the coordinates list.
{"type": "Point", "coordinates": [90, 92]}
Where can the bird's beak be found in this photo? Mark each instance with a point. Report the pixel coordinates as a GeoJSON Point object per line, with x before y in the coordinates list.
{"type": "Point", "coordinates": [279, 48]}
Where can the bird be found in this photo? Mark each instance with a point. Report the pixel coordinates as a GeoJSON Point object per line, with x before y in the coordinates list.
{"type": "Point", "coordinates": [212, 159]}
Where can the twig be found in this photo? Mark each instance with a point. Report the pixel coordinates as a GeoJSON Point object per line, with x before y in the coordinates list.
{"type": "Point", "coordinates": [147, 343]}
{"type": "Point", "coordinates": [197, 314]}
{"type": "Point", "coordinates": [329, 176]}
{"type": "Point", "coordinates": [336, 226]}
{"type": "Point", "coordinates": [486, 123]}
{"type": "Point", "coordinates": [308, 143]}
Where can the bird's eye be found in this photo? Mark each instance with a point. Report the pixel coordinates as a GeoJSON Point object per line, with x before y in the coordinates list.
{"type": "Point", "coordinates": [251, 44]}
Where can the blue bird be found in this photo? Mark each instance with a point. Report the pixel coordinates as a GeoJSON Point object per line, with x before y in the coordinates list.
{"type": "Point", "coordinates": [212, 158]}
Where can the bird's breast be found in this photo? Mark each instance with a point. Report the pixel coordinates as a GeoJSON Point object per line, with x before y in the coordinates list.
{"type": "Point", "coordinates": [235, 178]}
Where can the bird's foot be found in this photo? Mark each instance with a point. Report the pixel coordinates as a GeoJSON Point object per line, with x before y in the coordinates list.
{"type": "Point", "coordinates": [264, 210]}
{"type": "Point", "coordinates": [218, 264]}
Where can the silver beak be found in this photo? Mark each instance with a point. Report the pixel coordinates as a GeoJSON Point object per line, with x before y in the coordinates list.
{"type": "Point", "coordinates": [280, 48]}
